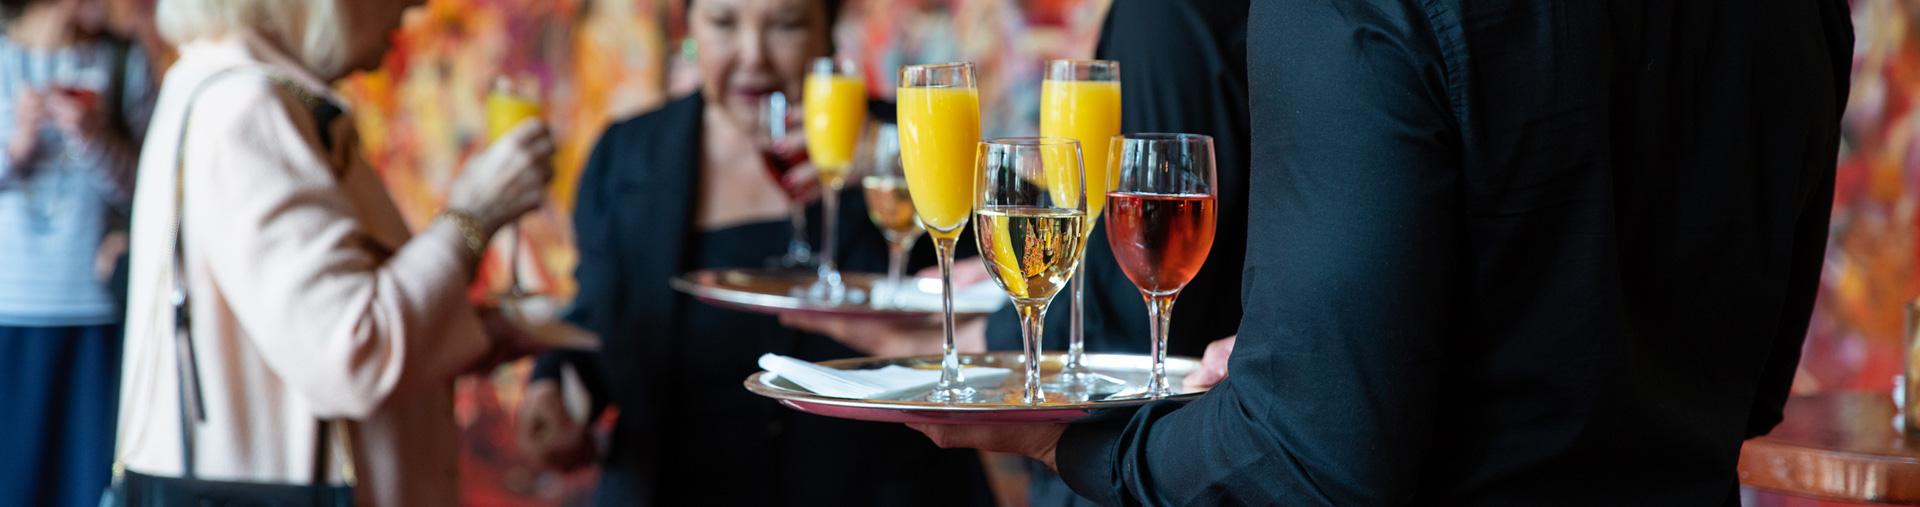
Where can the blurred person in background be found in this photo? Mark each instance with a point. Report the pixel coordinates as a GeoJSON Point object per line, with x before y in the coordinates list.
{"type": "Point", "coordinates": [74, 102]}
{"type": "Point", "coordinates": [310, 299]}
{"type": "Point", "coordinates": [680, 189]}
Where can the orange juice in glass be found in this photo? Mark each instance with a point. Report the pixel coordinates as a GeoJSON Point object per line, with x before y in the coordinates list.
{"type": "Point", "coordinates": [1080, 99]}
{"type": "Point", "coordinates": [939, 110]}
{"type": "Point", "coordinates": [835, 106]}
{"type": "Point", "coordinates": [512, 101]}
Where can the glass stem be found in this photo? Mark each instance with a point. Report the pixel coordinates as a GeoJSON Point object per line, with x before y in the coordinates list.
{"type": "Point", "coordinates": [830, 223]}
{"type": "Point", "coordinates": [1076, 334]}
{"type": "Point", "coordinates": [829, 218]}
{"type": "Point", "coordinates": [896, 269]}
{"type": "Point", "coordinates": [797, 251]}
{"type": "Point", "coordinates": [952, 387]}
{"type": "Point", "coordinates": [1033, 318]}
{"type": "Point", "coordinates": [1160, 317]}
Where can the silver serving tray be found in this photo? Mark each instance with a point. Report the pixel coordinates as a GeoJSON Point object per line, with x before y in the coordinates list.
{"type": "Point", "coordinates": [996, 409]}
{"type": "Point", "coordinates": [776, 291]}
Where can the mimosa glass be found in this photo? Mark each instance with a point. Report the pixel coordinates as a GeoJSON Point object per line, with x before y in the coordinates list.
{"type": "Point", "coordinates": [512, 100]}
{"type": "Point", "coordinates": [836, 108]}
{"type": "Point", "coordinates": [1160, 221]}
{"type": "Point", "coordinates": [939, 131]}
{"type": "Point", "coordinates": [1029, 208]}
{"type": "Point", "coordinates": [1080, 99]}
{"type": "Point", "coordinates": [889, 204]}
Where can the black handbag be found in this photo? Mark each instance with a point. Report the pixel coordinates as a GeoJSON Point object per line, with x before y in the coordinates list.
{"type": "Point", "coordinates": [134, 489]}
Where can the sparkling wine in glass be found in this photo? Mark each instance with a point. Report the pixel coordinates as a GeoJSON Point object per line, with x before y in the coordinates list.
{"type": "Point", "coordinates": [1080, 99]}
{"type": "Point", "coordinates": [939, 114]}
{"type": "Point", "coordinates": [1029, 210]}
{"type": "Point", "coordinates": [836, 108]}
{"type": "Point", "coordinates": [513, 99]}
{"type": "Point", "coordinates": [1160, 221]}
{"type": "Point", "coordinates": [889, 205]}
{"type": "Point", "coordinates": [778, 138]}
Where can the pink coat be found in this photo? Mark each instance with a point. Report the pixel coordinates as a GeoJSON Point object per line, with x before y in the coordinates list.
{"type": "Point", "coordinates": [310, 297]}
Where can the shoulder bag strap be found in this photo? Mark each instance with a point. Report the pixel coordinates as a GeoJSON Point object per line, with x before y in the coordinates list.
{"type": "Point", "coordinates": [192, 405]}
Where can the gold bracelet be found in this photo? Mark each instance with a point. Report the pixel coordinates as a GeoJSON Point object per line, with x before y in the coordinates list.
{"type": "Point", "coordinates": [469, 228]}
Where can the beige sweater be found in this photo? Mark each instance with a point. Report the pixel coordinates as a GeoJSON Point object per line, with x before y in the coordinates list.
{"type": "Point", "coordinates": [310, 297]}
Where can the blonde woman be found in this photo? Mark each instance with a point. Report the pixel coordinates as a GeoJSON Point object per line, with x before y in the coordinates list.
{"type": "Point", "coordinates": [310, 300]}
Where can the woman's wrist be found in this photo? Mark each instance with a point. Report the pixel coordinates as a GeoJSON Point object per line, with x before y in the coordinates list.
{"type": "Point", "coordinates": [471, 231]}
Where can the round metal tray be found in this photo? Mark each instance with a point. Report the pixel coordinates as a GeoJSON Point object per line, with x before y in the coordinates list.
{"type": "Point", "coordinates": [785, 290]}
{"type": "Point", "coordinates": [994, 407]}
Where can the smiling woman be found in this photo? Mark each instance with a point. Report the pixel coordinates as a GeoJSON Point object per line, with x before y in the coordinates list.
{"type": "Point", "coordinates": [690, 183]}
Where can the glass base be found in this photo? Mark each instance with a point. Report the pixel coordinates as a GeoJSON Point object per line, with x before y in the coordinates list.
{"type": "Point", "coordinates": [955, 395]}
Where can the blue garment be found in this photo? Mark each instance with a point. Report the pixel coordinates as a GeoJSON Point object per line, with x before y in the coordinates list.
{"type": "Point", "coordinates": [60, 389]}
{"type": "Point", "coordinates": [55, 208]}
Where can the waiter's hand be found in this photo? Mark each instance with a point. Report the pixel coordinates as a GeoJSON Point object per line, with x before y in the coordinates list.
{"type": "Point", "coordinates": [895, 339]}
{"type": "Point", "coordinates": [548, 435]}
{"type": "Point", "coordinates": [1036, 441]}
{"type": "Point", "coordinates": [1213, 365]}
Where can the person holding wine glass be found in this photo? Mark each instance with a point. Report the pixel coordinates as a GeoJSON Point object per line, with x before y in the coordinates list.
{"type": "Point", "coordinates": [1470, 282]}
{"type": "Point", "coordinates": [684, 188]}
{"type": "Point", "coordinates": [74, 103]}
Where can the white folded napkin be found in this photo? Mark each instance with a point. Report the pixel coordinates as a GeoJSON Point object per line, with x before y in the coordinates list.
{"type": "Point", "coordinates": [889, 383]}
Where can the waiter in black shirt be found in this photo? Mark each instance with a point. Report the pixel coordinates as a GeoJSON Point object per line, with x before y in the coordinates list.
{"type": "Point", "coordinates": [1503, 253]}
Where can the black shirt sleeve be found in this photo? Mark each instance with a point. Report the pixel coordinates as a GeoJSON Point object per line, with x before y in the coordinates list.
{"type": "Point", "coordinates": [1353, 198]}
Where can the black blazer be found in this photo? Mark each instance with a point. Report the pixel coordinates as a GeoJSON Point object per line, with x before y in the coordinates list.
{"type": "Point", "coordinates": [633, 224]}
{"type": "Point", "coordinates": [1509, 252]}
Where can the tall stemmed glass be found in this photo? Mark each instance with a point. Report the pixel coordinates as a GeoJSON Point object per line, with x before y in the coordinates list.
{"type": "Point", "coordinates": [889, 205]}
{"type": "Point", "coordinates": [1160, 220]}
{"type": "Point", "coordinates": [513, 99]}
{"type": "Point", "coordinates": [836, 108]}
{"type": "Point", "coordinates": [777, 137]}
{"type": "Point", "coordinates": [939, 131]}
{"type": "Point", "coordinates": [1080, 99]}
{"type": "Point", "coordinates": [1029, 207]}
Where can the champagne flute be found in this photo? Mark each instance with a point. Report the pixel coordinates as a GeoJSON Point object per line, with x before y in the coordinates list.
{"type": "Point", "coordinates": [1029, 207]}
{"type": "Point", "coordinates": [889, 204]}
{"type": "Point", "coordinates": [1080, 99]}
{"type": "Point", "coordinates": [777, 138]}
{"type": "Point", "coordinates": [939, 131]}
{"type": "Point", "coordinates": [836, 108]}
{"type": "Point", "coordinates": [512, 100]}
{"type": "Point", "coordinates": [1161, 216]}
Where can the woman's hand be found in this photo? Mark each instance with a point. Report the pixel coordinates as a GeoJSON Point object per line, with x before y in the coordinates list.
{"type": "Point", "coordinates": [548, 435]}
{"type": "Point", "coordinates": [506, 180]}
{"type": "Point", "coordinates": [879, 338]}
{"type": "Point", "coordinates": [29, 110]}
{"type": "Point", "coordinates": [507, 341]}
{"type": "Point", "coordinates": [78, 115]}
{"type": "Point", "coordinates": [894, 339]}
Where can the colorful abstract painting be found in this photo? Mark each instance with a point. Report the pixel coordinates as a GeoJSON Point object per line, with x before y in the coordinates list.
{"type": "Point", "coordinates": [1855, 335]}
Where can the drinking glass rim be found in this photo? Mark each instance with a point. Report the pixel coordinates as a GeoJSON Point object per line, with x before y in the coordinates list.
{"type": "Point", "coordinates": [1163, 136]}
{"type": "Point", "coordinates": [1030, 141]}
{"type": "Point", "coordinates": [942, 65]}
{"type": "Point", "coordinates": [1066, 65]}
